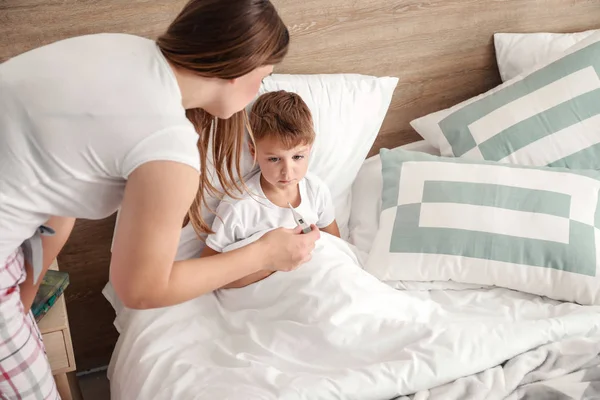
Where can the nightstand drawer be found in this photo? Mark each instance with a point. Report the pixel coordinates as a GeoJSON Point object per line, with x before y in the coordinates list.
{"type": "Point", "coordinates": [57, 351]}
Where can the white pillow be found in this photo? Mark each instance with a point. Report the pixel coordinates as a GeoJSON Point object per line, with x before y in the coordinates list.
{"type": "Point", "coordinates": [366, 198]}
{"type": "Point", "coordinates": [517, 53]}
{"type": "Point", "coordinates": [529, 229]}
{"type": "Point", "coordinates": [348, 110]}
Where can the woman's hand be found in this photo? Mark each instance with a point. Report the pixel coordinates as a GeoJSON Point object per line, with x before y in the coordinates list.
{"type": "Point", "coordinates": [286, 249]}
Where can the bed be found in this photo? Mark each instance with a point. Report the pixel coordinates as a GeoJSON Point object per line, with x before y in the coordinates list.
{"type": "Point", "coordinates": [352, 323]}
{"type": "Point", "coordinates": [331, 330]}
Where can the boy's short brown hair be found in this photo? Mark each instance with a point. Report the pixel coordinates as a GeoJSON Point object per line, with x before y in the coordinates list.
{"type": "Point", "coordinates": [283, 115]}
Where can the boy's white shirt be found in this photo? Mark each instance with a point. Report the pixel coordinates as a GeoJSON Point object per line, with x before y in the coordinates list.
{"type": "Point", "coordinates": [238, 219]}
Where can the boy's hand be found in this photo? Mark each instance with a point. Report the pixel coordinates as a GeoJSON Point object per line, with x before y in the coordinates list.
{"type": "Point", "coordinates": [286, 249]}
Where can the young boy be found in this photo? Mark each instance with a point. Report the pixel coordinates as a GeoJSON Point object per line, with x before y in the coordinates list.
{"type": "Point", "coordinates": [283, 132]}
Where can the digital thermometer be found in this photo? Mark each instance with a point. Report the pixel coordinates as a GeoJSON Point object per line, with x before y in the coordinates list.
{"type": "Point", "coordinates": [299, 220]}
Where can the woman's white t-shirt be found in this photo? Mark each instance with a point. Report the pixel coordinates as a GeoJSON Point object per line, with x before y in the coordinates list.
{"type": "Point", "coordinates": [238, 219]}
{"type": "Point", "coordinates": [76, 118]}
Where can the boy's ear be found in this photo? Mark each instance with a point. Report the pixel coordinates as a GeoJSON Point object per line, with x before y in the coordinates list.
{"type": "Point", "coordinates": [252, 150]}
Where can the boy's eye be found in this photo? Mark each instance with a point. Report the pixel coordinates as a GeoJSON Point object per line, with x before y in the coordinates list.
{"type": "Point", "coordinates": [273, 159]}
{"type": "Point", "coordinates": [296, 158]}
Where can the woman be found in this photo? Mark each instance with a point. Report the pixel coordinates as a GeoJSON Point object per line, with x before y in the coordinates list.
{"type": "Point", "coordinates": [97, 122]}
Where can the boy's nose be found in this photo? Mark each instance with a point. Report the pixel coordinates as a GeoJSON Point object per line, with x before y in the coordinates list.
{"type": "Point", "coordinates": [286, 169]}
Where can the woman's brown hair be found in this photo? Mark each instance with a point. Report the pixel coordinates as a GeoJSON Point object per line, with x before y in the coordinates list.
{"type": "Point", "coordinates": [223, 39]}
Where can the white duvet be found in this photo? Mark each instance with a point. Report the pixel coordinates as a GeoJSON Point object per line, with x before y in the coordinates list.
{"type": "Point", "coordinates": [329, 330]}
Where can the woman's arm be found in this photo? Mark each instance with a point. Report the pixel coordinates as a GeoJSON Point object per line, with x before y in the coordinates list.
{"type": "Point", "coordinates": [51, 246]}
{"type": "Point", "coordinates": [157, 197]}
{"type": "Point", "coordinates": [332, 229]}
{"type": "Point", "coordinates": [240, 283]}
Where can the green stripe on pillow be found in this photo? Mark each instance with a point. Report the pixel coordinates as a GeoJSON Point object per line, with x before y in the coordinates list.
{"type": "Point", "coordinates": [499, 196]}
{"type": "Point", "coordinates": [578, 256]}
{"type": "Point", "coordinates": [540, 125]}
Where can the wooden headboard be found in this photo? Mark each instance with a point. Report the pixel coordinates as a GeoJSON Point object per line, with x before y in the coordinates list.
{"type": "Point", "coordinates": [442, 51]}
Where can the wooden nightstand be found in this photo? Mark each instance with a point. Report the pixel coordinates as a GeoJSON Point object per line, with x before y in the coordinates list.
{"type": "Point", "coordinates": [57, 339]}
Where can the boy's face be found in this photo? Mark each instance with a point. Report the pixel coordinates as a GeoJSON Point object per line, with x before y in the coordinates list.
{"type": "Point", "coordinates": [279, 166]}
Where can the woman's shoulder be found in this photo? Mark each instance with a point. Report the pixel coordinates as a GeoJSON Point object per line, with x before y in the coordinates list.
{"type": "Point", "coordinates": [87, 64]}
{"type": "Point", "coordinates": [83, 45]}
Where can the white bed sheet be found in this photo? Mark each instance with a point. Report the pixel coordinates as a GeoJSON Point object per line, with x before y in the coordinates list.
{"type": "Point", "coordinates": [329, 330]}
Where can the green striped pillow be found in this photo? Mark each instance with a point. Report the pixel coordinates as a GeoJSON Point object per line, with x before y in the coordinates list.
{"type": "Point", "coordinates": [530, 229]}
{"type": "Point", "coordinates": [548, 117]}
